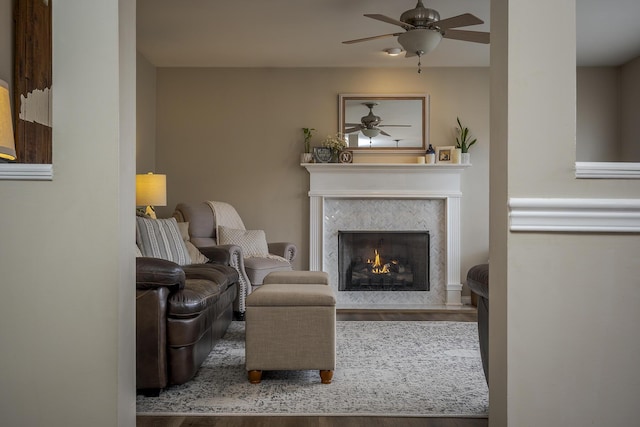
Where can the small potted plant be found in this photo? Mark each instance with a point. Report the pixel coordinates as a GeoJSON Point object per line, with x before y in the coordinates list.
{"type": "Point", "coordinates": [307, 156]}
{"type": "Point", "coordinates": [336, 143]}
{"type": "Point", "coordinates": [464, 142]}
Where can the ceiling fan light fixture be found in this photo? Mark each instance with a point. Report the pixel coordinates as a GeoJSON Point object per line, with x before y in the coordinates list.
{"type": "Point", "coordinates": [393, 51]}
{"type": "Point", "coordinates": [371, 133]}
{"type": "Point", "coordinates": [419, 41]}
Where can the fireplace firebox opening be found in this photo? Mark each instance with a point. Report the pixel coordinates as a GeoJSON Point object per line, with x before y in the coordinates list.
{"type": "Point", "coordinates": [383, 260]}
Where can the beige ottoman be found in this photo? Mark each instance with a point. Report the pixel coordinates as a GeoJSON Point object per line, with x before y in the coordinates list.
{"type": "Point", "coordinates": [291, 325]}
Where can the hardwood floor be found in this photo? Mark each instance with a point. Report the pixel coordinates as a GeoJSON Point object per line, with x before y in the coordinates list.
{"type": "Point", "coordinates": [408, 315]}
{"type": "Point", "coordinates": [331, 421]}
{"type": "Point", "coordinates": [254, 421]}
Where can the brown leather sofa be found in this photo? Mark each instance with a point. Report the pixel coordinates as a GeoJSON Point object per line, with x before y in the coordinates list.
{"type": "Point", "coordinates": [180, 314]}
{"type": "Point", "coordinates": [478, 282]}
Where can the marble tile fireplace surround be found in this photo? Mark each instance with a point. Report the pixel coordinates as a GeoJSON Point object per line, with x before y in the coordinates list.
{"type": "Point", "coordinates": [388, 197]}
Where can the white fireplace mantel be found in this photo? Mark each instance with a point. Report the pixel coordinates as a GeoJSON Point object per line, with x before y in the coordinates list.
{"type": "Point", "coordinates": [389, 181]}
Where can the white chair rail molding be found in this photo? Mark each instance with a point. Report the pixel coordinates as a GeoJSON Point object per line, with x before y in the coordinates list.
{"type": "Point", "coordinates": [575, 215]}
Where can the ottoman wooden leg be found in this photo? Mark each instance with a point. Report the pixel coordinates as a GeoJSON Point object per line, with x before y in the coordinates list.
{"type": "Point", "coordinates": [326, 377]}
{"type": "Point", "coordinates": [255, 377]}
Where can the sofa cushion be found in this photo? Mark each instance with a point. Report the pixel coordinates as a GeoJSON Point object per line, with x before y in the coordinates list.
{"type": "Point", "coordinates": [224, 275]}
{"type": "Point", "coordinates": [258, 268]}
{"type": "Point", "coordinates": [252, 242]}
{"type": "Point", "coordinates": [203, 285]}
{"type": "Point", "coordinates": [196, 297]}
{"type": "Point", "coordinates": [188, 329]}
{"type": "Point", "coordinates": [160, 238]}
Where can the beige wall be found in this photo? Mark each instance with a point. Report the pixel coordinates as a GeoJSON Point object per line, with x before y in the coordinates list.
{"type": "Point", "coordinates": [145, 115]}
{"type": "Point", "coordinates": [608, 101]}
{"type": "Point", "coordinates": [598, 114]}
{"type": "Point", "coordinates": [66, 253]}
{"type": "Point", "coordinates": [568, 354]}
{"type": "Point", "coordinates": [630, 108]}
{"type": "Point", "coordinates": [235, 135]}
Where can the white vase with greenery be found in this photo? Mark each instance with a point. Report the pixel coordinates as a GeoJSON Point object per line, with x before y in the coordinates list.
{"type": "Point", "coordinates": [307, 156]}
{"type": "Point", "coordinates": [464, 142]}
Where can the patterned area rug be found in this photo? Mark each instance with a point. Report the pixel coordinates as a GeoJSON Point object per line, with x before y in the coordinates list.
{"type": "Point", "coordinates": [383, 368]}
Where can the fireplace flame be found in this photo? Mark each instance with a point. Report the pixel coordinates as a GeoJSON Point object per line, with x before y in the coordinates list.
{"type": "Point", "coordinates": [377, 266]}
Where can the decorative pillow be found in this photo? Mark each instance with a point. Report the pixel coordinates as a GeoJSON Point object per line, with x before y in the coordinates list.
{"type": "Point", "coordinates": [160, 238]}
{"type": "Point", "coordinates": [196, 256]}
{"type": "Point", "coordinates": [184, 231]}
{"type": "Point", "coordinates": [252, 242]}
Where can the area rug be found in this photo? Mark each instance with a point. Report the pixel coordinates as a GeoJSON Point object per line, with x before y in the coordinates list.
{"type": "Point", "coordinates": [392, 368]}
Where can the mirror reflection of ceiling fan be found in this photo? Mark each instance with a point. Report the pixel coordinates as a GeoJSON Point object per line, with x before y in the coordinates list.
{"type": "Point", "coordinates": [370, 124]}
{"type": "Point", "coordinates": [423, 30]}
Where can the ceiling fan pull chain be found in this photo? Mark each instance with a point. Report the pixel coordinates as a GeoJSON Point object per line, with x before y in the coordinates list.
{"type": "Point", "coordinates": [419, 62]}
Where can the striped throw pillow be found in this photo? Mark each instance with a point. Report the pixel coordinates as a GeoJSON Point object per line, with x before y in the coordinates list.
{"type": "Point", "coordinates": [160, 238]}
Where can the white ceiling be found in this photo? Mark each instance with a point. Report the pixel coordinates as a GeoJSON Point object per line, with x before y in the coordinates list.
{"type": "Point", "coordinates": [308, 33]}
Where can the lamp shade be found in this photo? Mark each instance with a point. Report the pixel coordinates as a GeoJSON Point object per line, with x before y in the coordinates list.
{"type": "Point", "coordinates": [151, 190]}
{"type": "Point", "coordinates": [419, 41]}
{"type": "Point", "coordinates": [7, 143]}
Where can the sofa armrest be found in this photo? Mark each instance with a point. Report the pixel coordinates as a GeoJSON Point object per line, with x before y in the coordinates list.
{"type": "Point", "coordinates": [152, 273]}
{"type": "Point", "coordinates": [478, 280]}
{"type": "Point", "coordinates": [221, 254]}
{"type": "Point", "coordinates": [231, 255]}
{"type": "Point", "coordinates": [284, 249]}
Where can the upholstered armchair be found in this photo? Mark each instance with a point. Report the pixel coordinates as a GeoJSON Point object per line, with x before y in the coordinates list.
{"type": "Point", "coordinates": [218, 227]}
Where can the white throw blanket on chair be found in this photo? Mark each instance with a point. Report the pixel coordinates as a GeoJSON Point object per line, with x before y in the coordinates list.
{"type": "Point", "coordinates": [226, 215]}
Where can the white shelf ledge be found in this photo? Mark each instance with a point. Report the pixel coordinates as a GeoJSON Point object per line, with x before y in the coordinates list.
{"type": "Point", "coordinates": [26, 172]}
{"type": "Point", "coordinates": [607, 170]}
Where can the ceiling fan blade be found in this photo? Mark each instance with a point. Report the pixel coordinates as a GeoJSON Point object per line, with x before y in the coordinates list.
{"type": "Point", "coordinates": [351, 130]}
{"type": "Point", "coordinates": [388, 20]}
{"type": "Point", "coordinates": [371, 38]}
{"type": "Point", "coordinates": [395, 126]}
{"type": "Point", "coordinates": [463, 20]}
{"type": "Point", "coordinates": [384, 133]}
{"type": "Point", "coordinates": [468, 36]}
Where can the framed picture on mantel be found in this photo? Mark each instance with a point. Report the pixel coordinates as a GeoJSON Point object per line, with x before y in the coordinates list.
{"type": "Point", "coordinates": [444, 154]}
{"type": "Point", "coordinates": [322, 154]}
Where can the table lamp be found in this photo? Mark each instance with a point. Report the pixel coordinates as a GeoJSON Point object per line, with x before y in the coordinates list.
{"type": "Point", "coordinates": [151, 190]}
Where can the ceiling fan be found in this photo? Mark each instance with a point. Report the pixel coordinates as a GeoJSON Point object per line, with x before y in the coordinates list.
{"type": "Point", "coordinates": [369, 124]}
{"type": "Point", "coordinates": [424, 29]}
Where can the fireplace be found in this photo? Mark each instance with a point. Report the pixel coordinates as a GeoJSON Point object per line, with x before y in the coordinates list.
{"type": "Point", "coordinates": [383, 260]}
{"type": "Point", "coordinates": [405, 197]}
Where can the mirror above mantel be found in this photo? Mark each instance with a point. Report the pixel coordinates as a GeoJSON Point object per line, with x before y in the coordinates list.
{"type": "Point", "coordinates": [384, 123]}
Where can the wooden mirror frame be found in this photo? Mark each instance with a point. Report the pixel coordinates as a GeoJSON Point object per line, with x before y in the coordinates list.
{"type": "Point", "coordinates": [417, 118]}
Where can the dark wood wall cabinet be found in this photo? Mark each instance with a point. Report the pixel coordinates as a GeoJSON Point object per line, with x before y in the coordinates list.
{"type": "Point", "coordinates": [32, 81]}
